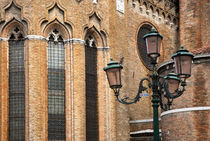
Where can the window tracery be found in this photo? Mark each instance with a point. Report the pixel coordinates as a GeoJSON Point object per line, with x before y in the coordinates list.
{"type": "Point", "coordinates": [90, 41]}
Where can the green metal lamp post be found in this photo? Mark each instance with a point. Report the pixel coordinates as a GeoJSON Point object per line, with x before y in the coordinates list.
{"type": "Point", "coordinates": [170, 86]}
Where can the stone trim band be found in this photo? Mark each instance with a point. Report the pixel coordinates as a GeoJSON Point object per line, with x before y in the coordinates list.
{"type": "Point", "coordinates": [3, 39]}
{"type": "Point", "coordinates": [39, 37]}
{"type": "Point", "coordinates": [142, 121]}
{"type": "Point", "coordinates": [102, 48]}
{"type": "Point", "coordinates": [205, 108]}
{"type": "Point", "coordinates": [35, 37]}
{"type": "Point", "coordinates": [143, 131]}
{"type": "Point", "coordinates": [74, 40]}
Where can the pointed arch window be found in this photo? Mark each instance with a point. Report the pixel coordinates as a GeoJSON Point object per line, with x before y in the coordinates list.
{"type": "Point", "coordinates": [16, 86]}
{"type": "Point", "coordinates": [91, 88]}
{"type": "Point", "coordinates": [56, 87]}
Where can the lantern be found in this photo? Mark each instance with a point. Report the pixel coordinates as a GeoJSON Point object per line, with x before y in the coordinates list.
{"type": "Point", "coordinates": [113, 72]}
{"type": "Point", "coordinates": [173, 84]}
{"type": "Point", "coordinates": [183, 62]}
{"type": "Point", "coordinates": [153, 43]}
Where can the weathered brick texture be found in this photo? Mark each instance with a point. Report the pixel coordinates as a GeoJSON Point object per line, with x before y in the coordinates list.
{"type": "Point", "coordinates": [116, 36]}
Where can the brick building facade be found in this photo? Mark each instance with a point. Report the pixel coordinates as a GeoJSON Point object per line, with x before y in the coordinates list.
{"type": "Point", "coordinates": [52, 83]}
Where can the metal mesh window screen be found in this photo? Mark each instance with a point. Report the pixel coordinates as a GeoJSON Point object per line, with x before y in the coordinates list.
{"type": "Point", "coordinates": [16, 90]}
{"type": "Point", "coordinates": [142, 45]}
{"type": "Point", "coordinates": [56, 90]}
{"type": "Point", "coordinates": [91, 90]}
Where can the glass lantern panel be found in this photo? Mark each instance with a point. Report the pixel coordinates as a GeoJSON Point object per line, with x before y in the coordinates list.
{"type": "Point", "coordinates": [177, 65]}
{"type": "Point", "coordinates": [186, 62]}
{"type": "Point", "coordinates": [173, 85]}
{"type": "Point", "coordinates": [153, 44]}
{"type": "Point", "coordinates": [113, 76]}
{"type": "Point", "coordinates": [183, 66]}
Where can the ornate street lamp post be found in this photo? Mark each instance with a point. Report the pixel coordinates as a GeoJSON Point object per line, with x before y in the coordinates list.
{"type": "Point", "coordinates": [170, 86]}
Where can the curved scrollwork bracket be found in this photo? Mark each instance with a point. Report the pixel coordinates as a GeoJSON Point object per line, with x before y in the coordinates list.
{"type": "Point", "coordinates": [168, 95]}
{"type": "Point", "coordinates": [177, 92]}
{"type": "Point", "coordinates": [128, 100]}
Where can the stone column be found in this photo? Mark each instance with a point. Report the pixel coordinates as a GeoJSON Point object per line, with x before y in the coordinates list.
{"type": "Point", "coordinates": [3, 90]}
{"type": "Point", "coordinates": [78, 78]}
{"type": "Point", "coordinates": [106, 99]}
{"type": "Point", "coordinates": [36, 88]}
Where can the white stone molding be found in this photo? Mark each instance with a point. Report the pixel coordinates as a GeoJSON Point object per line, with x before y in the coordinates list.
{"type": "Point", "coordinates": [153, 16]}
{"type": "Point", "coordinates": [103, 48]}
{"type": "Point", "coordinates": [75, 40]}
{"type": "Point", "coordinates": [3, 39]}
{"type": "Point", "coordinates": [143, 131]}
{"type": "Point", "coordinates": [134, 4]}
{"type": "Point", "coordinates": [147, 12]}
{"type": "Point", "coordinates": [205, 108]}
{"type": "Point", "coordinates": [95, 1]}
{"type": "Point", "coordinates": [171, 24]}
{"type": "Point", "coordinates": [120, 6]}
{"type": "Point", "coordinates": [159, 18]}
{"type": "Point", "coordinates": [35, 37]}
{"type": "Point", "coordinates": [166, 21]}
{"type": "Point", "coordinates": [141, 8]}
{"type": "Point", "coordinates": [142, 121]}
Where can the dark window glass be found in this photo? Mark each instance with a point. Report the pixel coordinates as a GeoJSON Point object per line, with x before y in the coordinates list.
{"type": "Point", "coordinates": [56, 89]}
{"type": "Point", "coordinates": [16, 89]}
{"type": "Point", "coordinates": [142, 45]}
{"type": "Point", "coordinates": [91, 90]}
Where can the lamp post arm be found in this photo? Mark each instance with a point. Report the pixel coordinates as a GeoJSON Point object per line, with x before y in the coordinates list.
{"type": "Point", "coordinates": [128, 100]}
{"type": "Point", "coordinates": [166, 106]}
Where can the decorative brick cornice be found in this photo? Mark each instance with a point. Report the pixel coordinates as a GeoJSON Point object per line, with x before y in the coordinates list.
{"type": "Point", "coordinates": [166, 10]}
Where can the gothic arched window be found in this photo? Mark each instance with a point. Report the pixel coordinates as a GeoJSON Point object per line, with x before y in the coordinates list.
{"type": "Point", "coordinates": [142, 45]}
{"type": "Point", "coordinates": [56, 87]}
{"type": "Point", "coordinates": [16, 86]}
{"type": "Point", "coordinates": [91, 89]}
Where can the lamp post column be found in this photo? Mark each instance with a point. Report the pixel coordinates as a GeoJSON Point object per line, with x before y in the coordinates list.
{"type": "Point", "coordinates": [155, 105]}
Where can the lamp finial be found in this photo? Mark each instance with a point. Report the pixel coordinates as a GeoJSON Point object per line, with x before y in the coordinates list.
{"type": "Point", "coordinates": [182, 47]}
{"type": "Point", "coordinates": [153, 29]}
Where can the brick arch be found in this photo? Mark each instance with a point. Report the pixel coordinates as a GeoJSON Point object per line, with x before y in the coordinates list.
{"type": "Point", "coordinates": [55, 24]}
{"type": "Point", "coordinates": [96, 34]}
{"type": "Point", "coordinates": [10, 25]}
